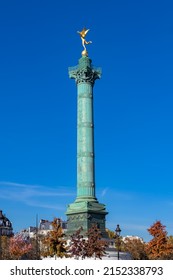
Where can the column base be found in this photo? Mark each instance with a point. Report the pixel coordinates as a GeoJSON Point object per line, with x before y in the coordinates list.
{"type": "Point", "coordinates": [84, 214]}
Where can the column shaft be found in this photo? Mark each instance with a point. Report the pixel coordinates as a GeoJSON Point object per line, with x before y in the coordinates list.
{"type": "Point", "coordinates": [85, 142]}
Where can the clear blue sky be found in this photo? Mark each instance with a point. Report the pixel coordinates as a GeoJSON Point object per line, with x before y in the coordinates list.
{"type": "Point", "coordinates": [133, 101]}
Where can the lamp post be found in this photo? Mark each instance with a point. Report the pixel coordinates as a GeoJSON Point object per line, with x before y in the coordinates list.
{"type": "Point", "coordinates": [118, 231]}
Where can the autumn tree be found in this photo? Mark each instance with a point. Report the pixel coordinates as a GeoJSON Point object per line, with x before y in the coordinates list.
{"type": "Point", "coordinates": [54, 244]}
{"type": "Point", "coordinates": [170, 241]}
{"type": "Point", "coordinates": [135, 247]}
{"type": "Point", "coordinates": [95, 245]}
{"type": "Point", "coordinates": [4, 248]}
{"type": "Point", "coordinates": [118, 242]}
{"type": "Point", "coordinates": [19, 247]}
{"type": "Point", "coordinates": [77, 247]}
{"type": "Point", "coordinates": [159, 247]}
{"type": "Point", "coordinates": [111, 233]}
{"type": "Point", "coordinates": [35, 252]}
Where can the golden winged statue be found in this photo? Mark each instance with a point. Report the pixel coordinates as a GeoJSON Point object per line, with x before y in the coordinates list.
{"type": "Point", "coordinates": [82, 34]}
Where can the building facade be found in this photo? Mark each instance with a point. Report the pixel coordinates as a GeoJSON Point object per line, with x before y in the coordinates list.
{"type": "Point", "coordinates": [6, 228]}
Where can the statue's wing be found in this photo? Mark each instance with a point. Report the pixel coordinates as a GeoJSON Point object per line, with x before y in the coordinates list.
{"type": "Point", "coordinates": [83, 32]}
{"type": "Point", "coordinates": [86, 31]}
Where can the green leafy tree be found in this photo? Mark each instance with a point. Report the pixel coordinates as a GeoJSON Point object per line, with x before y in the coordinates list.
{"type": "Point", "coordinates": [159, 247]}
{"type": "Point", "coordinates": [54, 244]}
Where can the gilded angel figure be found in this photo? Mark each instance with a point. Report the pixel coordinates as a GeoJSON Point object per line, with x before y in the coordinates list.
{"type": "Point", "coordinates": [82, 34]}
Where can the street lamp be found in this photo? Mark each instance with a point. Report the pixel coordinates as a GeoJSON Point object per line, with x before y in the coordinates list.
{"type": "Point", "coordinates": [118, 231]}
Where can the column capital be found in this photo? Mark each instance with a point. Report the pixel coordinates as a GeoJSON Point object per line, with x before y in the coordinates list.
{"type": "Point", "coordinates": [84, 72]}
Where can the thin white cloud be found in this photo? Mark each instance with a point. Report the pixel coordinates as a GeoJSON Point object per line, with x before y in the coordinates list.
{"type": "Point", "coordinates": [37, 189]}
{"type": "Point", "coordinates": [45, 205]}
{"type": "Point", "coordinates": [124, 195]}
{"type": "Point", "coordinates": [104, 191]}
{"type": "Point", "coordinates": [29, 194]}
{"type": "Point", "coordinates": [13, 184]}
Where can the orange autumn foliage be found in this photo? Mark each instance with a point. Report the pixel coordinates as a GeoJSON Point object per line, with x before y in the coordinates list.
{"type": "Point", "coordinates": [54, 244]}
{"type": "Point", "coordinates": [18, 247]}
{"type": "Point", "coordinates": [159, 247]}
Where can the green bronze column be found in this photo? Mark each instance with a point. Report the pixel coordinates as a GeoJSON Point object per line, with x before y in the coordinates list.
{"type": "Point", "coordinates": [86, 210]}
{"type": "Point", "coordinates": [85, 76]}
